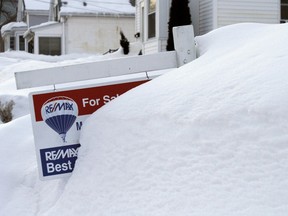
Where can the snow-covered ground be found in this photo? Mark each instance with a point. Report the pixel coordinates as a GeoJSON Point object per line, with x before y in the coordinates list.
{"type": "Point", "coordinates": [207, 139]}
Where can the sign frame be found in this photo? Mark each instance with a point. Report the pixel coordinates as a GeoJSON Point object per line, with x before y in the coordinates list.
{"type": "Point", "coordinates": [57, 153]}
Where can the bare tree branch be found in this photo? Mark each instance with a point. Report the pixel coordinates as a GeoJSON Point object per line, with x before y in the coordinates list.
{"type": "Point", "coordinates": [8, 13]}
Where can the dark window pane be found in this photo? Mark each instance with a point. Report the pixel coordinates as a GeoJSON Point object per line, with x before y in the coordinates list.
{"type": "Point", "coordinates": [284, 1]}
{"type": "Point", "coordinates": [21, 43]}
{"type": "Point", "coordinates": [50, 45]}
{"type": "Point", "coordinates": [284, 12]}
{"type": "Point", "coordinates": [31, 46]}
{"type": "Point", "coordinates": [12, 43]}
{"type": "Point", "coordinates": [151, 25]}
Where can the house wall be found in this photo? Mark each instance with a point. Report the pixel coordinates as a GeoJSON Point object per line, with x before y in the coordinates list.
{"type": "Point", "coordinates": [217, 13]}
{"type": "Point", "coordinates": [6, 43]}
{"type": "Point", "coordinates": [206, 16]}
{"type": "Point", "coordinates": [194, 10]}
{"type": "Point", "coordinates": [162, 19]}
{"type": "Point", "coordinates": [79, 30]}
{"type": "Point", "coordinates": [149, 45]}
{"type": "Point", "coordinates": [237, 11]}
{"type": "Point", "coordinates": [138, 16]}
{"type": "Point", "coordinates": [35, 18]}
{"type": "Point", "coordinates": [158, 44]}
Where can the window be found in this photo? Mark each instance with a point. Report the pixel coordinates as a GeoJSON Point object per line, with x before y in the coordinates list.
{"type": "Point", "coordinates": [12, 43]}
{"type": "Point", "coordinates": [284, 11]}
{"type": "Point", "coordinates": [31, 46]}
{"type": "Point", "coordinates": [50, 45]}
{"type": "Point", "coordinates": [57, 9]}
{"type": "Point", "coordinates": [21, 43]}
{"type": "Point", "coordinates": [152, 19]}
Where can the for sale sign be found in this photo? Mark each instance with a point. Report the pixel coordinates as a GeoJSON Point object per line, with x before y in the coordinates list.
{"type": "Point", "coordinates": [57, 119]}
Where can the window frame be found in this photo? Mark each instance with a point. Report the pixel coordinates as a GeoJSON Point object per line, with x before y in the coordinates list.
{"type": "Point", "coordinates": [21, 42]}
{"type": "Point", "coordinates": [283, 4]}
{"type": "Point", "coordinates": [49, 51]}
{"type": "Point", "coordinates": [12, 43]}
{"type": "Point", "coordinates": [151, 19]}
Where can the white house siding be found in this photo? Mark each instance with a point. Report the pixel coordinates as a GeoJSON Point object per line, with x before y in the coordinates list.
{"type": "Point", "coordinates": [151, 46]}
{"type": "Point", "coordinates": [6, 43]}
{"type": "Point", "coordinates": [206, 16]}
{"type": "Point", "coordinates": [237, 11]}
{"type": "Point", "coordinates": [163, 18]}
{"type": "Point", "coordinates": [159, 43]}
{"type": "Point", "coordinates": [37, 19]}
{"type": "Point", "coordinates": [103, 33]}
{"type": "Point", "coordinates": [163, 45]}
{"type": "Point", "coordinates": [138, 16]}
{"type": "Point", "coordinates": [194, 10]}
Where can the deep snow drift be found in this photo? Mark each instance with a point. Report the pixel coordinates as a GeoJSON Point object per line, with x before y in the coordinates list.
{"type": "Point", "coordinates": [209, 138]}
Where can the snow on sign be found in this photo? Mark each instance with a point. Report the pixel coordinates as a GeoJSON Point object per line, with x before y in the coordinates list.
{"type": "Point", "coordinates": [57, 119]}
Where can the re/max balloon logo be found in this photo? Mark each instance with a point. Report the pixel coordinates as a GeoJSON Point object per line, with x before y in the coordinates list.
{"type": "Point", "coordinates": [60, 113]}
{"type": "Point", "coordinates": [50, 108]}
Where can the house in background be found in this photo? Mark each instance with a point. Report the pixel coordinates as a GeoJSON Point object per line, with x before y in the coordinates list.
{"type": "Point", "coordinates": [89, 26]}
{"type": "Point", "coordinates": [55, 27]}
{"type": "Point", "coordinates": [93, 26]}
{"type": "Point", "coordinates": [30, 13]}
{"type": "Point", "coordinates": [152, 17]}
{"type": "Point", "coordinates": [12, 34]}
{"type": "Point", "coordinates": [45, 39]}
{"type": "Point", "coordinates": [217, 13]}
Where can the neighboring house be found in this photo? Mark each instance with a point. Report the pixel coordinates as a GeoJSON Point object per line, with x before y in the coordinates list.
{"type": "Point", "coordinates": [30, 13]}
{"type": "Point", "coordinates": [55, 27]}
{"type": "Point", "coordinates": [217, 13]}
{"type": "Point", "coordinates": [12, 34]}
{"type": "Point", "coordinates": [33, 12]}
{"type": "Point", "coordinates": [45, 38]}
{"type": "Point", "coordinates": [152, 17]}
{"type": "Point", "coordinates": [89, 26]}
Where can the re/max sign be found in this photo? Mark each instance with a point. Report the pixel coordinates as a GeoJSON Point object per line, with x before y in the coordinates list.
{"type": "Point", "coordinates": [56, 155]}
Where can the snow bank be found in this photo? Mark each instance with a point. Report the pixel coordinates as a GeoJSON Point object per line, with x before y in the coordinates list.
{"type": "Point", "coordinates": [209, 138]}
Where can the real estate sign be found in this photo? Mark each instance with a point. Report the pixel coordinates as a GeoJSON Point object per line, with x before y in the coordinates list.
{"type": "Point", "coordinates": [57, 119]}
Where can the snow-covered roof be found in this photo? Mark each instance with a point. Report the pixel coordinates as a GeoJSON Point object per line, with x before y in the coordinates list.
{"type": "Point", "coordinates": [107, 7]}
{"type": "Point", "coordinates": [42, 25]}
{"type": "Point", "coordinates": [37, 4]}
{"type": "Point", "coordinates": [12, 26]}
